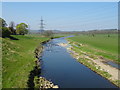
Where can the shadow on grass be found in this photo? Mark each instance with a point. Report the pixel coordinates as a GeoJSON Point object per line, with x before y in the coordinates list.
{"type": "Point", "coordinates": [35, 72]}
{"type": "Point", "coordinates": [13, 38]}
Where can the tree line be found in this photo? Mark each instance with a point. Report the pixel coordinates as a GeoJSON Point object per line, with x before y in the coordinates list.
{"type": "Point", "coordinates": [11, 29]}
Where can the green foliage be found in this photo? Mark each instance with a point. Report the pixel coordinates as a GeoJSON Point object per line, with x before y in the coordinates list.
{"type": "Point", "coordinates": [18, 60]}
{"type": "Point", "coordinates": [36, 81]}
{"type": "Point", "coordinates": [5, 32]}
{"type": "Point", "coordinates": [48, 33]}
{"type": "Point", "coordinates": [21, 29]}
{"type": "Point", "coordinates": [11, 28]}
{"type": "Point", "coordinates": [3, 29]}
{"type": "Point", "coordinates": [117, 82]}
{"type": "Point", "coordinates": [2, 23]}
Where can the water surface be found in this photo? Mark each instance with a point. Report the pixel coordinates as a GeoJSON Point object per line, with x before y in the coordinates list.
{"type": "Point", "coordinates": [62, 69]}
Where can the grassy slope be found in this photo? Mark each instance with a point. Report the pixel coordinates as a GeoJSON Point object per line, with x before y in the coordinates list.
{"type": "Point", "coordinates": [99, 45]}
{"type": "Point", "coordinates": [18, 60]}
{"type": "Point", "coordinates": [0, 63]}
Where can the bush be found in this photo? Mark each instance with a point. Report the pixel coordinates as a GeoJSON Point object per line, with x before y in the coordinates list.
{"type": "Point", "coordinates": [5, 32]}
{"type": "Point", "coordinates": [48, 33]}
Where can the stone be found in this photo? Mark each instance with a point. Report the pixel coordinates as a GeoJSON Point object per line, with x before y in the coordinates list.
{"type": "Point", "coordinates": [55, 86]}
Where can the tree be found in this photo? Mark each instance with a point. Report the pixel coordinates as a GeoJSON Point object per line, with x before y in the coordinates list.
{"type": "Point", "coordinates": [2, 23]}
{"type": "Point", "coordinates": [4, 31]}
{"type": "Point", "coordinates": [11, 28]}
{"type": "Point", "coordinates": [22, 29]}
{"type": "Point", "coordinates": [48, 33]}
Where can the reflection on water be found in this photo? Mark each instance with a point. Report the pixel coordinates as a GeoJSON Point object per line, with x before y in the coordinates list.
{"type": "Point", "coordinates": [62, 69]}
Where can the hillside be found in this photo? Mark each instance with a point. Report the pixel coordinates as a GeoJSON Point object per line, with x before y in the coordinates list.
{"type": "Point", "coordinates": [18, 60]}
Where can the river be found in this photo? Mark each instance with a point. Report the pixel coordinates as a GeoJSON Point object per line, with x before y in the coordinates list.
{"type": "Point", "coordinates": [62, 69]}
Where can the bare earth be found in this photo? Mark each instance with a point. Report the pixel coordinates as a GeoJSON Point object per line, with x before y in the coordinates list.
{"type": "Point", "coordinates": [99, 62]}
{"type": "Point", "coordinates": [111, 70]}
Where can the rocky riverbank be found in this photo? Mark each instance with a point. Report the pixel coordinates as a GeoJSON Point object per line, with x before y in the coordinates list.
{"type": "Point", "coordinates": [41, 82]}
{"type": "Point", "coordinates": [95, 63]}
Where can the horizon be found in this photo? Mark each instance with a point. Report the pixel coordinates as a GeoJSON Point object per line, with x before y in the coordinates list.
{"type": "Point", "coordinates": [65, 16]}
{"type": "Point", "coordinates": [77, 30]}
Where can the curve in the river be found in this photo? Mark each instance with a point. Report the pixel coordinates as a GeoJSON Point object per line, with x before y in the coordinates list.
{"type": "Point", "coordinates": [62, 69]}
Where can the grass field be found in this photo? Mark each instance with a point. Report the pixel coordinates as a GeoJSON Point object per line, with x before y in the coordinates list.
{"type": "Point", "coordinates": [100, 45]}
{"type": "Point", "coordinates": [18, 60]}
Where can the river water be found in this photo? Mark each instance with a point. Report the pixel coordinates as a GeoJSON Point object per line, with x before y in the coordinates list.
{"type": "Point", "coordinates": [62, 69]}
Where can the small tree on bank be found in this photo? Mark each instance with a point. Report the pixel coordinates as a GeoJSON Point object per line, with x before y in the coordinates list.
{"type": "Point", "coordinates": [11, 28]}
{"type": "Point", "coordinates": [22, 29]}
{"type": "Point", "coordinates": [4, 31]}
{"type": "Point", "coordinates": [2, 23]}
{"type": "Point", "coordinates": [48, 33]}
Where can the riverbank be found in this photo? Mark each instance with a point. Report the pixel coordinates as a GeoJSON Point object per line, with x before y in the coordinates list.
{"type": "Point", "coordinates": [18, 60]}
{"type": "Point", "coordinates": [38, 81]}
{"type": "Point", "coordinates": [94, 62]}
{"type": "Point", "coordinates": [99, 45]}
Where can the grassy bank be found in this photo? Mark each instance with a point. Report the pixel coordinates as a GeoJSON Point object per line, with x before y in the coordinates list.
{"type": "Point", "coordinates": [92, 65]}
{"type": "Point", "coordinates": [18, 60]}
{"type": "Point", "coordinates": [100, 45]}
{"type": "Point", "coordinates": [54, 36]}
{"type": "Point", "coordinates": [88, 48]}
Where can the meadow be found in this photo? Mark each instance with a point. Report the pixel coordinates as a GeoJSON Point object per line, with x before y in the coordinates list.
{"type": "Point", "coordinates": [99, 44]}
{"type": "Point", "coordinates": [18, 59]}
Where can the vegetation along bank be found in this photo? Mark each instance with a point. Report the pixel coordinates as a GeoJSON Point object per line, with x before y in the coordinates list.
{"type": "Point", "coordinates": [18, 60]}
{"type": "Point", "coordinates": [95, 51]}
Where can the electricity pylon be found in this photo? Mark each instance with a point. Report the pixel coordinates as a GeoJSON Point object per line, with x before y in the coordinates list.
{"type": "Point", "coordinates": [41, 25]}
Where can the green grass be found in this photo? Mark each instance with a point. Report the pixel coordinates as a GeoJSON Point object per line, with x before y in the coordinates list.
{"type": "Point", "coordinates": [0, 63]}
{"type": "Point", "coordinates": [100, 45]}
{"type": "Point", "coordinates": [54, 35]}
{"type": "Point", "coordinates": [18, 60]}
{"type": "Point", "coordinates": [90, 64]}
{"type": "Point", "coordinates": [61, 35]}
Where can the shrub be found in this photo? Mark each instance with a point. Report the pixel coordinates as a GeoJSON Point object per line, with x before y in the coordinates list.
{"type": "Point", "coordinates": [5, 32]}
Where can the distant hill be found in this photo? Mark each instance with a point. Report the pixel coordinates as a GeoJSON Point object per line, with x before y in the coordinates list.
{"type": "Point", "coordinates": [33, 31]}
{"type": "Point", "coordinates": [38, 31]}
{"type": "Point", "coordinates": [102, 31]}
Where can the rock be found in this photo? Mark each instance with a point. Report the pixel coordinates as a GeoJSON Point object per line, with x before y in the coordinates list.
{"type": "Point", "coordinates": [46, 84]}
{"type": "Point", "coordinates": [63, 44]}
{"type": "Point", "coordinates": [55, 86]}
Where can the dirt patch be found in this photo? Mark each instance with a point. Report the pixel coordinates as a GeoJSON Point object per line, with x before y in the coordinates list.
{"type": "Point", "coordinates": [98, 62]}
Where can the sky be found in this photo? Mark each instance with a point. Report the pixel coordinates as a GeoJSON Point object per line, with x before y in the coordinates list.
{"type": "Point", "coordinates": [60, 0]}
{"type": "Point", "coordinates": [67, 16]}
